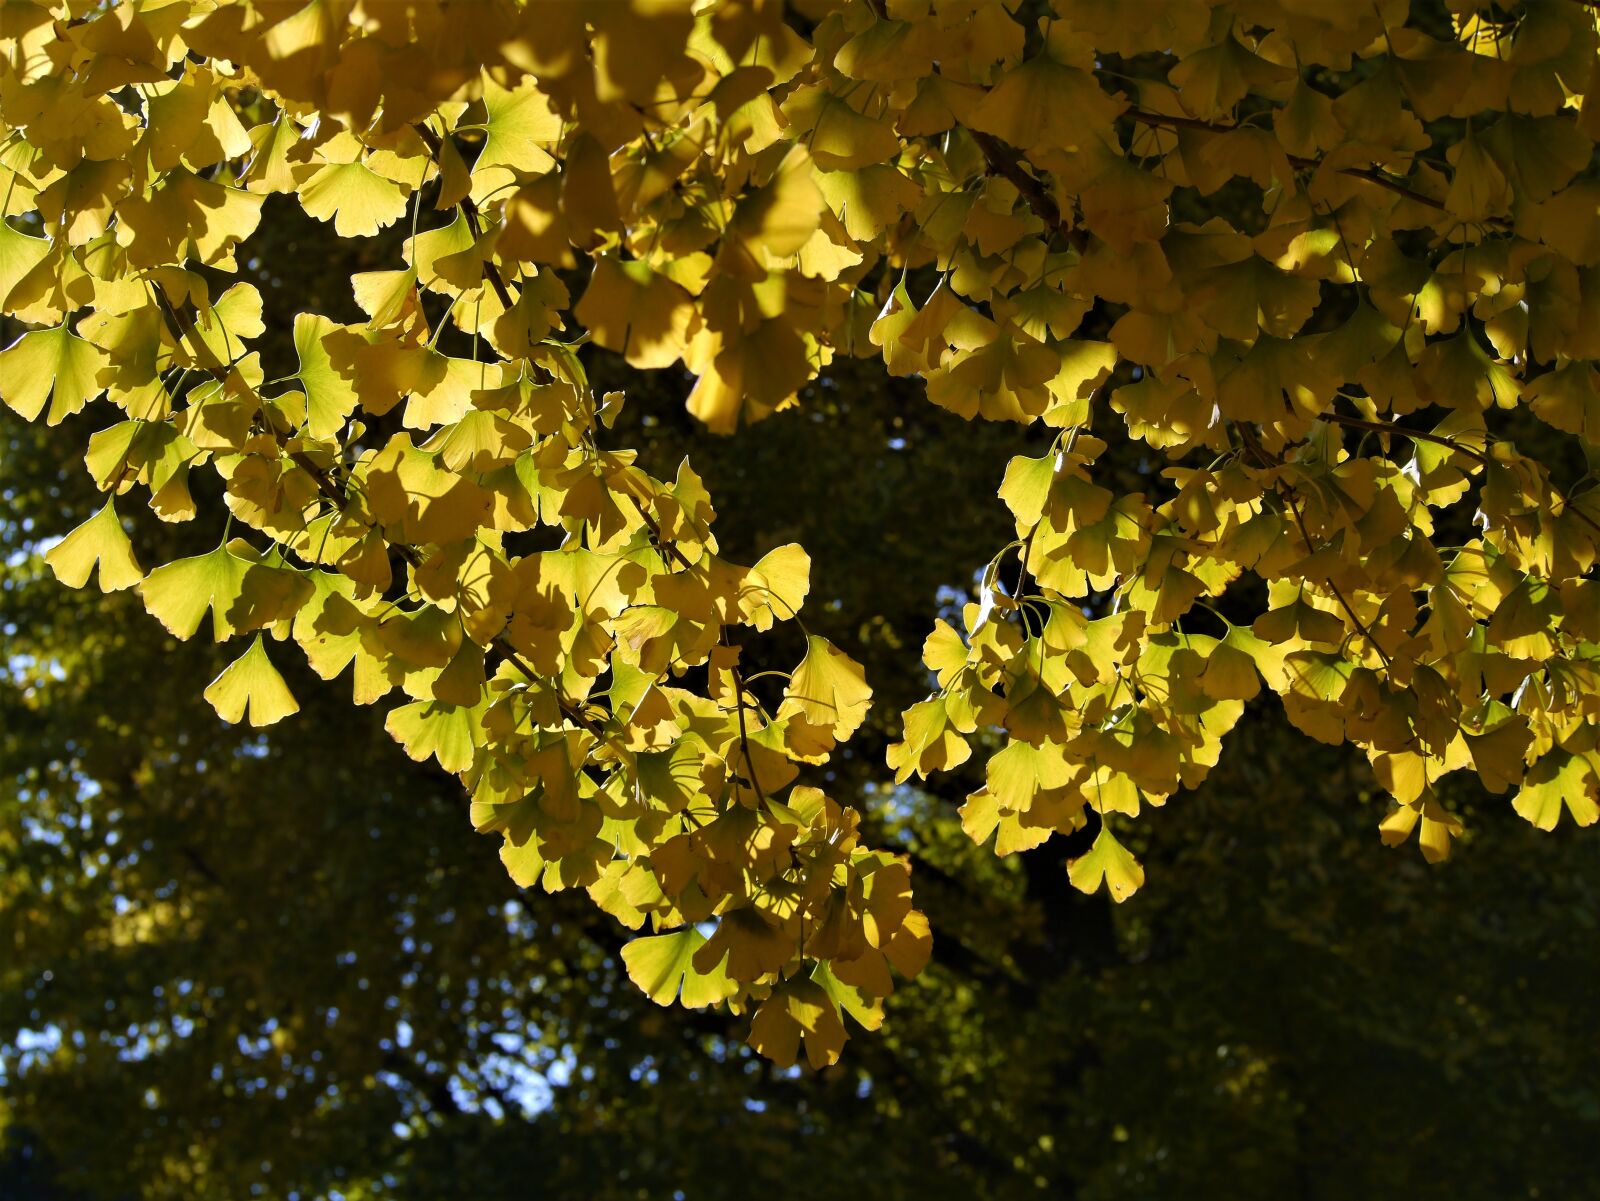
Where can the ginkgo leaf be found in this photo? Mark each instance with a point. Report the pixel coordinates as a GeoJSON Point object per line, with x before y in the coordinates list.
{"type": "Point", "coordinates": [330, 396]}
{"type": "Point", "coordinates": [777, 586]}
{"type": "Point", "coordinates": [448, 733]}
{"type": "Point", "coordinates": [519, 125]}
{"type": "Point", "coordinates": [1044, 103]}
{"type": "Point", "coordinates": [358, 201]}
{"type": "Point", "coordinates": [20, 255]}
{"type": "Point", "coordinates": [99, 543]}
{"type": "Point", "coordinates": [632, 309]}
{"type": "Point", "coordinates": [1109, 861]}
{"type": "Point", "coordinates": [829, 688]}
{"type": "Point", "coordinates": [799, 1009]}
{"type": "Point", "coordinates": [861, 1006]}
{"type": "Point", "coordinates": [777, 219]}
{"type": "Point", "coordinates": [930, 743]}
{"type": "Point", "coordinates": [1438, 826]}
{"type": "Point", "coordinates": [662, 965]}
{"type": "Point", "coordinates": [1230, 671]}
{"type": "Point", "coordinates": [251, 690]}
{"type": "Point", "coordinates": [746, 945]}
{"type": "Point", "coordinates": [232, 583]}
{"type": "Point", "coordinates": [53, 365]}
{"type": "Point", "coordinates": [1559, 778]}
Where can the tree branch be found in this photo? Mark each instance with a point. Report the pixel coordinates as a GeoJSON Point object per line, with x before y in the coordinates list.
{"type": "Point", "coordinates": [1380, 427]}
{"type": "Point", "coordinates": [469, 211]}
{"type": "Point", "coordinates": [1007, 163]}
{"type": "Point", "coordinates": [1369, 174]}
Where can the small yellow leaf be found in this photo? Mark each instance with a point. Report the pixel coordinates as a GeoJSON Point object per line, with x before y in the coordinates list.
{"type": "Point", "coordinates": [776, 587]}
{"type": "Point", "coordinates": [662, 965]}
{"type": "Point", "coordinates": [1560, 778]}
{"type": "Point", "coordinates": [99, 542]}
{"type": "Point", "coordinates": [357, 200]}
{"type": "Point", "coordinates": [250, 689]}
{"type": "Point", "coordinates": [1110, 861]}
{"type": "Point", "coordinates": [829, 688]}
{"type": "Point", "coordinates": [52, 365]}
{"type": "Point", "coordinates": [799, 1009]}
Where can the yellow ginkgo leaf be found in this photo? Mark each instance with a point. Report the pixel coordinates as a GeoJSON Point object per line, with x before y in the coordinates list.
{"type": "Point", "coordinates": [519, 126]}
{"type": "Point", "coordinates": [746, 946]}
{"type": "Point", "coordinates": [1559, 778]}
{"type": "Point", "coordinates": [1230, 671]}
{"type": "Point", "coordinates": [662, 965]}
{"type": "Point", "coordinates": [930, 744]}
{"type": "Point", "coordinates": [448, 733]}
{"type": "Point", "coordinates": [829, 688]}
{"type": "Point", "coordinates": [1110, 861]}
{"type": "Point", "coordinates": [777, 219]}
{"type": "Point", "coordinates": [99, 542]}
{"type": "Point", "coordinates": [633, 310]}
{"type": "Point", "coordinates": [240, 590]}
{"type": "Point", "coordinates": [251, 690]}
{"type": "Point", "coordinates": [799, 1009]}
{"type": "Point", "coordinates": [20, 253]}
{"type": "Point", "coordinates": [330, 397]}
{"type": "Point", "coordinates": [53, 365]}
{"type": "Point", "coordinates": [776, 587]}
{"type": "Point", "coordinates": [356, 199]}
{"type": "Point", "coordinates": [1439, 826]}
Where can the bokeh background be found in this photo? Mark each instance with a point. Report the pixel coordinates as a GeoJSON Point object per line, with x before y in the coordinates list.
{"type": "Point", "coordinates": [279, 964]}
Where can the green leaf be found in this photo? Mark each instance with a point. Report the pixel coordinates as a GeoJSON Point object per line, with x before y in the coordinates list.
{"type": "Point", "coordinates": [53, 365]}
{"type": "Point", "coordinates": [1559, 778]}
{"type": "Point", "coordinates": [99, 542]}
{"type": "Point", "coordinates": [250, 689]}
{"type": "Point", "coordinates": [356, 199]}
{"type": "Point", "coordinates": [663, 964]}
{"type": "Point", "coordinates": [330, 397]}
{"type": "Point", "coordinates": [449, 733]}
{"type": "Point", "coordinates": [233, 583]}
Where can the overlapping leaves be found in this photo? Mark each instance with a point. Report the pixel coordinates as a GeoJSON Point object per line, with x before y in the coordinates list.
{"type": "Point", "coordinates": [1320, 263]}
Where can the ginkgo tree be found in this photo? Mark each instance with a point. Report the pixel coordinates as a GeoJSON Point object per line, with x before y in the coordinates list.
{"type": "Point", "coordinates": [1323, 261]}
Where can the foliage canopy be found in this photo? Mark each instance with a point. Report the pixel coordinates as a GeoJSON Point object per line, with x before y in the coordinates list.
{"type": "Point", "coordinates": [1325, 265]}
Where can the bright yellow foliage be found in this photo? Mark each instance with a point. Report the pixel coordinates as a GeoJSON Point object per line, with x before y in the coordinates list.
{"type": "Point", "coordinates": [1323, 260]}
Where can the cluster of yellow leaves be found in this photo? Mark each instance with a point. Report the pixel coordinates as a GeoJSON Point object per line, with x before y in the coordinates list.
{"type": "Point", "coordinates": [1320, 258]}
{"type": "Point", "coordinates": [558, 624]}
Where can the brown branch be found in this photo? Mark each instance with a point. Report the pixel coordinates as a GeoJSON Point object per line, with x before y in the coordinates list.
{"type": "Point", "coordinates": [469, 211]}
{"type": "Point", "coordinates": [1287, 494]}
{"type": "Point", "coordinates": [1007, 163]}
{"type": "Point", "coordinates": [1380, 427]}
{"type": "Point", "coordinates": [667, 548]}
{"type": "Point", "coordinates": [744, 741]}
{"type": "Point", "coordinates": [1300, 162]}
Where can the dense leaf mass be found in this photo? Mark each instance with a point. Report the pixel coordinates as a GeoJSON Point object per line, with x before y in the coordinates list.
{"type": "Point", "coordinates": [1321, 264]}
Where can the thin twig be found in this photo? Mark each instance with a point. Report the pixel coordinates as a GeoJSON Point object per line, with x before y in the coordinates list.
{"type": "Point", "coordinates": [1007, 163]}
{"type": "Point", "coordinates": [1287, 494]}
{"type": "Point", "coordinates": [469, 211]}
{"type": "Point", "coordinates": [1300, 162]}
{"type": "Point", "coordinates": [1380, 427]}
